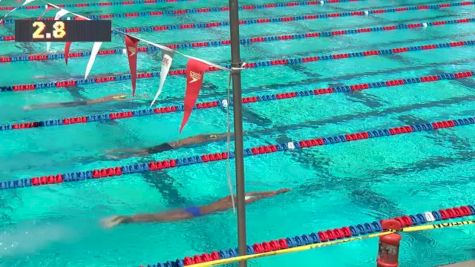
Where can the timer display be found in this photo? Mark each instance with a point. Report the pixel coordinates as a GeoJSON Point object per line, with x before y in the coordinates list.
{"type": "Point", "coordinates": [63, 30]}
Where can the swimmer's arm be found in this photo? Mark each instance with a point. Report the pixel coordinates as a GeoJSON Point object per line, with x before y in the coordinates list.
{"type": "Point", "coordinates": [266, 194]}
{"type": "Point", "coordinates": [188, 141]}
{"type": "Point", "coordinates": [126, 152]}
{"type": "Point", "coordinates": [77, 103]}
{"type": "Point", "coordinates": [149, 217]}
{"type": "Point", "coordinates": [105, 99]}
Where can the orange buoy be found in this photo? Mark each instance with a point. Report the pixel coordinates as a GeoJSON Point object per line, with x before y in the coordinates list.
{"type": "Point", "coordinates": [388, 252]}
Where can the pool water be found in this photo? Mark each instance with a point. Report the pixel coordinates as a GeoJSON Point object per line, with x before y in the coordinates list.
{"type": "Point", "coordinates": [332, 186]}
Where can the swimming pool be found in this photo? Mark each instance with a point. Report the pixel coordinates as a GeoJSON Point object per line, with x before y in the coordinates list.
{"type": "Point", "coordinates": [332, 186]}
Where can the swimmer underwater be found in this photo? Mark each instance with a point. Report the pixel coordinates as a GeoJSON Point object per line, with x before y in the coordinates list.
{"type": "Point", "coordinates": [194, 140]}
{"type": "Point", "coordinates": [110, 98]}
{"type": "Point", "coordinates": [190, 212]}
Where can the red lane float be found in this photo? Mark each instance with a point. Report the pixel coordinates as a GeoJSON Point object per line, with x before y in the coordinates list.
{"type": "Point", "coordinates": [258, 64]}
{"type": "Point", "coordinates": [259, 150]}
{"type": "Point", "coordinates": [245, 100]}
{"type": "Point", "coordinates": [388, 245]}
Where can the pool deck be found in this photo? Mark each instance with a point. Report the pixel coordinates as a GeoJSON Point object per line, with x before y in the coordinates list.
{"type": "Point", "coordinates": [461, 264]}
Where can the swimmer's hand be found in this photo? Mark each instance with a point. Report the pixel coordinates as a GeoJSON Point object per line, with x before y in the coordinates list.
{"type": "Point", "coordinates": [113, 221]}
{"type": "Point", "coordinates": [281, 191]}
{"type": "Point", "coordinates": [27, 108]}
{"type": "Point", "coordinates": [114, 156]}
{"type": "Point", "coordinates": [124, 153]}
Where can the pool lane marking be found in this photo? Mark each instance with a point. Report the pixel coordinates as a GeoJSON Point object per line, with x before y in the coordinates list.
{"type": "Point", "coordinates": [244, 41]}
{"type": "Point", "coordinates": [202, 10]}
{"type": "Point", "coordinates": [245, 100]}
{"type": "Point", "coordinates": [205, 25]}
{"type": "Point", "coordinates": [409, 223]}
{"type": "Point", "coordinates": [249, 65]}
{"type": "Point", "coordinates": [220, 156]}
{"type": "Point", "coordinates": [273, 86]}
{"type": "Point", "coordinates": [100, 4]}
{"type": "Point", "coordinates": [276, 249]}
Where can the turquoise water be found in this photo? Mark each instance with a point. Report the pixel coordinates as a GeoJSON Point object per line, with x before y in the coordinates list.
{"type": "Point", "coordinates": [332, 186]}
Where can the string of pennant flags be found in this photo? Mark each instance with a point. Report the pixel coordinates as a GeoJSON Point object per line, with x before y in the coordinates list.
{"type": "Point", "coordinates": [195, 68]}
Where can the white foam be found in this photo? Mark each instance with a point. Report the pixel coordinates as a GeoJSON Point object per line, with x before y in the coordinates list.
{"type": "Point", "coordinates": [30, 238]}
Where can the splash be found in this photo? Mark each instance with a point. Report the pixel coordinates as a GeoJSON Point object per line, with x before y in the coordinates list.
{"type": "Point", "coordinates": [30, 238]}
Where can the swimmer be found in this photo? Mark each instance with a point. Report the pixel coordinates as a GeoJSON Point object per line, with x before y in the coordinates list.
{"type": "Point", "coordinates": [105, 99]}
{"type": "Point", "coordinates": [190, 212]}
{"type": "Point", "coordinates": [194, 140]}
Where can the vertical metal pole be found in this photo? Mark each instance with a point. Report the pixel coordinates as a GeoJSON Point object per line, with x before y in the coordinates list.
{"type": "Point", "coordinates": [236, 76]}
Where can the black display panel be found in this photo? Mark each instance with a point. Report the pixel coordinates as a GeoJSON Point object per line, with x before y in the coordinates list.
{"type": "Point", "coordinates": [63, 30]}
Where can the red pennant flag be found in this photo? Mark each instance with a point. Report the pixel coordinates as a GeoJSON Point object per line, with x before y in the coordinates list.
{"type": "Point", "coordinates": [67, 46]}
{"type": "Point", "coordinates": [131, 44]}
{"type": "Point", "coordinates": [195, 70]}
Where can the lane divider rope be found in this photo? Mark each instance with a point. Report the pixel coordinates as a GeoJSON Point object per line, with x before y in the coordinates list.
{"type": "Point", "coordinates": [224, 102]}
{"type": "Point", "coordinates": [415, 223]}
{"type": "Point", "coordinates": [201, 10]}
{"type": "Point", "coordinates": [250, 65]}
{"type": "Point", "coordinates": [99, 4]}
{"type": "Point", "coordinates": [244, 41]}
{"type": "Point", "coordinates": [206, 25]}
{"type": "Point", "coordinates": [220, 156]}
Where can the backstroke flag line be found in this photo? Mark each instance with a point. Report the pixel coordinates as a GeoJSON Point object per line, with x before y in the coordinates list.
{"type": "Point", "coordinates": [167, 59]}
{"type": "Point", "coordinates": [47, 8]}
{"type": "Point", "coordinates": [8, 13]}
{"type": "Point", "coordinates": [195, 70]}
{"type": "Point", "coordinates": [131, 44]}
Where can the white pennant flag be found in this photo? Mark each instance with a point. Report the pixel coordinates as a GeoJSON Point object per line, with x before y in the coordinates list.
{"type": "Point", "coordinates": [11, 11]}
{"type": "Point", "coordinates": [60, 14]}
{"type": "Point", "coordinates": [95, 50]}
{"type": "Point", "coordinates": [28, 1]}
{"type": "Point", "coordinates": [8, 13]}
{"type": "Point", "coordinates": [167, 59]}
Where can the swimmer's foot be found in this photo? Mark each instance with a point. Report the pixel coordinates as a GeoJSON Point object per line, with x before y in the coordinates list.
{"type": "Point", "coordinates": [113, 221]}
